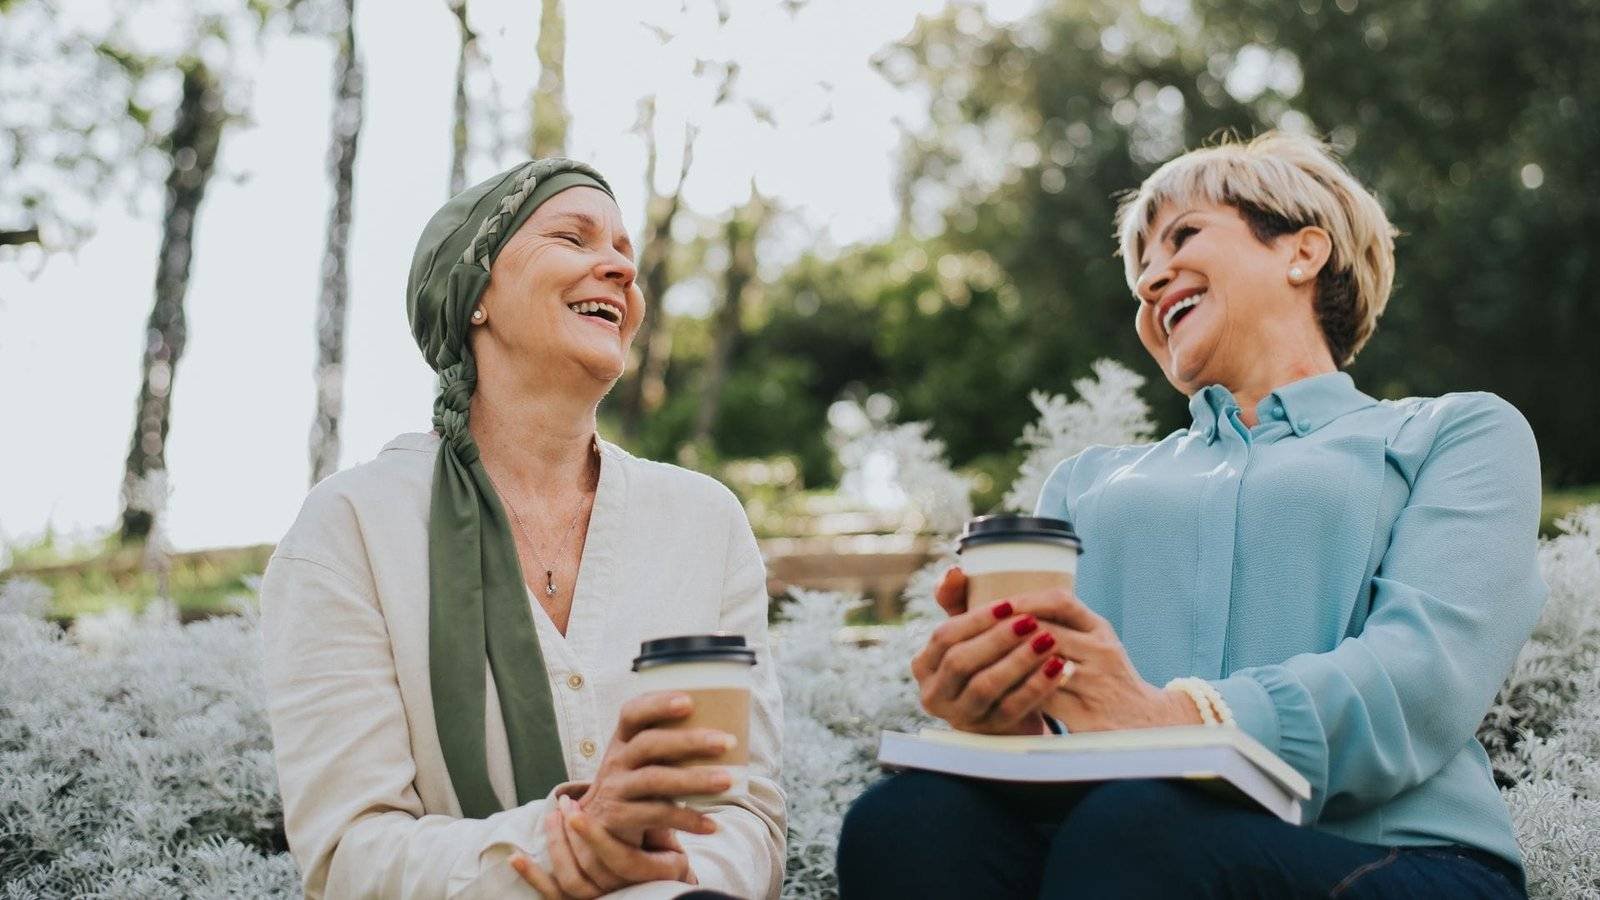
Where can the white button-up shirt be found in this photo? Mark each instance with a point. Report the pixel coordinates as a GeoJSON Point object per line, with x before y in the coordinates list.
{"type": "Point", "coordinates": [368, 804]}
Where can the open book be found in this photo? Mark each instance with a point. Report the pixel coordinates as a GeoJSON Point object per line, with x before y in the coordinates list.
{"type": "Point", "coordinates": [1221, 758]}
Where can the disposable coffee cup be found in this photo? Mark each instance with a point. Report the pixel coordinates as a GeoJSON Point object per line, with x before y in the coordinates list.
{"type": "Point", "coordinates": [714, 670]}
{"type": "Point", "coordinates": [1006, 555]}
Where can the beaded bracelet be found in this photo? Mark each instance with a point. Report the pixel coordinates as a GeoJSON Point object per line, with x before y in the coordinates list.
{"type": "Point", "coordinates": [1207, 699]}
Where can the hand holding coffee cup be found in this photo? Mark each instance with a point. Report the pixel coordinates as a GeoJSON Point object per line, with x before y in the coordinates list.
{"type": "Point", "coordinates": [1029, 565]}
{"type": "Point", "coordinates": [683, 740]}
{"type": "Point", "coordinates": [642, 778]}
{"type": "Point", "coordinates": [714, 671]}
{"type": "Point", "coordinates": [990, 669]}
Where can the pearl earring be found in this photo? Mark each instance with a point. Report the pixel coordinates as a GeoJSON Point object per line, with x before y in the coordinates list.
{"type": "Point", "coordinates": [1296, 274]}
{"type": "Point", "coordinates": [477, 314]}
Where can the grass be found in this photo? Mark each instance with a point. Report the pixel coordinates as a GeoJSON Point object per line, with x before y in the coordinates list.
{"type": "Point", "coordinates": [1559, 502]}
{"type": "Point", "coordinates": [96, 577]}
{"type": "Point", "coordinates": [202, 583]}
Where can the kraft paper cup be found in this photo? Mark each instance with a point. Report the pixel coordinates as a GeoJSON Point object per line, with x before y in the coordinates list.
{"type": "Point", "coordinates": [715, 671]}
{"type": "Point", "coordinates": [1006, 555]}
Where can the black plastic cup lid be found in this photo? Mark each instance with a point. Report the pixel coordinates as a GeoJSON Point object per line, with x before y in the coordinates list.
{"type": "Point", "coordinates": [718, 646]}
{"type": "Point", "coordinates": [1010, 528]}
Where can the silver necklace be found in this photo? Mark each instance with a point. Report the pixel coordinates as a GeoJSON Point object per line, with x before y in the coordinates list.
{"type": "Point", "coordinates": [549, 573]}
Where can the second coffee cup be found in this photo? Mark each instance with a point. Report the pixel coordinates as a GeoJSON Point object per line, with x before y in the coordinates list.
{"type": "Point", "coordinates": [1006, 555]}
{"type": "Point", "coordinates": [714, 670]}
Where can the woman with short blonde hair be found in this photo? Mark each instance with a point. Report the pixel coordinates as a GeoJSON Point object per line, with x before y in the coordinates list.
{"type": "Point", "coordinates": [1346, 580]}
{"type": "Point", "coordinates": [1275, 182]}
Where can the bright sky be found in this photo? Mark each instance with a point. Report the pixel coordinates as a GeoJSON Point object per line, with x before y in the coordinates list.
{"type": "Point", "coordinates": [242, 402]}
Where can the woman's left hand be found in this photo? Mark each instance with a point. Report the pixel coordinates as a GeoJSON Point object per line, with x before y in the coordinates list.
{"type": "Point", "coordinates": [587, 861]}
{"type": "Point", "coordinates": [1103, 691]}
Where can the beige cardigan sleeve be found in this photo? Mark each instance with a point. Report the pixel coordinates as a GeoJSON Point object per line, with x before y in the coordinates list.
{"type": "Point", "coordinates": [355, 824]}
{"type": "Point", "coordinates": [745, 857]}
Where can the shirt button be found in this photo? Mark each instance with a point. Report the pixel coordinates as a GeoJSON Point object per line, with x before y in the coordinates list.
{"type": "Point", "coordinates": [1303, 425]}
{"type": "Point", "coordinates": [1277, 411]}
{"type": "Point", "coordinates": [587, 747]}
{"type": "Point", "coordinates": [575, 681]}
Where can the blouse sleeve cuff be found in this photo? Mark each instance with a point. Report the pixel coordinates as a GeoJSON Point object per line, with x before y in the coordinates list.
{"type": "Point", "coordinates": [1252, 708]}
{"type": "Point", "coordinates": [1272, 706]}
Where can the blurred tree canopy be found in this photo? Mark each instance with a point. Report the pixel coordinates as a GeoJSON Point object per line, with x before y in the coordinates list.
{"type": "Point", "coordinates": [89, 96]}
{"type": "Point", "coordinates": [1474, 123]}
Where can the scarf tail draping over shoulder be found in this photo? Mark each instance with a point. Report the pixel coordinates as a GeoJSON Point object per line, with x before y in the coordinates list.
{"type": "Point", "coordinates": [479, 615]}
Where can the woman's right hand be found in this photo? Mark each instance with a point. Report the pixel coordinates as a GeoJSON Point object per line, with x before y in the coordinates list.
{"type": "Point", "coordinates": [637, 785]}
{"type": "Point", "coordinates": [987, 670]}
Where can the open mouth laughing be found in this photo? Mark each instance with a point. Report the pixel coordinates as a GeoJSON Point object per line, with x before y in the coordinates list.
{"type": "Point", "coordinates": [1176, 308]}
{"type": "Point", "coordinates": [606, 310]}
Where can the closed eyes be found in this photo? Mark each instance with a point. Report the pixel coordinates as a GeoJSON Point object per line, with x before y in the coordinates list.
{"type": "Point", "coordinates": [1174, 232]}
{"type": "Point", "coordinates": [588, 225]}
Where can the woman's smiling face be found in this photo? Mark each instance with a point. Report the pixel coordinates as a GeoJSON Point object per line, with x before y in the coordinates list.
{"type": "Point", "coordinates": [1213, 297]}
{"type": "Point", "coordinates": [563, 288]}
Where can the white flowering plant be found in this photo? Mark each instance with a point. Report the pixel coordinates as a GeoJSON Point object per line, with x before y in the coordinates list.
{"type": "Point", "coordinates": [135, 759]}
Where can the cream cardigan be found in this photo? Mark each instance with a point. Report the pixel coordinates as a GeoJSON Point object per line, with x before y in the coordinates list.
{"type": "Point", "coordinates": [367, 799]}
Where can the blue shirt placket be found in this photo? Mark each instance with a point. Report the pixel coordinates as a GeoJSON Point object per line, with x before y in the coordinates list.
{"type": "Point", "coordinates": [1218, 534]}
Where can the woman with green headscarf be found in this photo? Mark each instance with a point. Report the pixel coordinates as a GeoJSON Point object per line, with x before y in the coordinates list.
{"type": "Point", "coordinates": [449, 628]}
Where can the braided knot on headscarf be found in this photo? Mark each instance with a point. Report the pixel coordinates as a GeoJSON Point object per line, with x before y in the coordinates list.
{"type": "Point", "coordinates": [479, 615]}
{"type": "Point", "coordinates": [480, 251]}
{"type": "Point", "coordinates": [452, 408]}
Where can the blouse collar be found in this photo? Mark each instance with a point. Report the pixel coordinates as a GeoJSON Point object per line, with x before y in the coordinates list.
{"type": "Point", "coordinates": [1305, 405]}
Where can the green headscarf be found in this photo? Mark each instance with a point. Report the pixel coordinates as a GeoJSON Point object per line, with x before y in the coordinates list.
{"type": "Point", "coordinates": [478, 604]}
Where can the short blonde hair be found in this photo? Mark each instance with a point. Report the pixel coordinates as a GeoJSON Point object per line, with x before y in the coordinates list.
{"type": "Point", "coordinates": [1281, 183]}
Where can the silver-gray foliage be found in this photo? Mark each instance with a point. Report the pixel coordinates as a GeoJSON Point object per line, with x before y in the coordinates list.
{"type": "Point", "coordinates": [1543, 732]}
{"type": "Point", "coordinates": [136, 768]}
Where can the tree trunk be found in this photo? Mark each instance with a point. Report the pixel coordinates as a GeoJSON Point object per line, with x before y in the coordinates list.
{"type": "Point", "coordinates": [642, 394]}
{"type": "Point", "coordinates": [549, 98]}
{"type": "Point", "coordinates": [192, 148]}
{"type": "Point", "coordinates": [460, 132]}
{"type": "Point", "coordinates": [17, 238]}
{"type": "Point", "coordinates": [333, 308]}
{"type": "Point", "coordinates": [743, 229]}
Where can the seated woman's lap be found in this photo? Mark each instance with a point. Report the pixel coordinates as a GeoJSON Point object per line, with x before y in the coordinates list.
{"type": "Point", "coordinates": [925, 834]}
{"type": "Point", "coordinates": [929, 835]}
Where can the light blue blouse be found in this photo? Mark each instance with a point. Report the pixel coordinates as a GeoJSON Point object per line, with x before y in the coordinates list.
{"type": "Point", "coordinates": [1355, 576]}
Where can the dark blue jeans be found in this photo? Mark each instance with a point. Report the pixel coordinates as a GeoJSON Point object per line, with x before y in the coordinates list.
{"type": "Point", "coordinates": [921, 834]}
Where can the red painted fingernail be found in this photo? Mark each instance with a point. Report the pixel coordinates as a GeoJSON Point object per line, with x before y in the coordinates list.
{"type": "Point", "coordinates": [1002, 610]}
{"type": "Point", "coordinates": [1024, 625]}
{"type": "Point", "coordinates": [1044, 642]}
{"type": "Point", "coordinates": [1054, 667]}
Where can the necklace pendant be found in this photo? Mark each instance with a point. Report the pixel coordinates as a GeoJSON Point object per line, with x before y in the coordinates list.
{"type": "Point", "coordinates": [549, 583]}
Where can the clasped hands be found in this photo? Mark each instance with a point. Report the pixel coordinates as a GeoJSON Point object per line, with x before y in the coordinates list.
{"type": "Point", "coordinates": [621, 831]}
{"type": "Point", "coordinates": [999, 668]}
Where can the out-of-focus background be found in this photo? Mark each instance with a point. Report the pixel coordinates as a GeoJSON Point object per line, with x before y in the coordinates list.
{"type": "Point", "coordinates": [877, 238]}
{"type": "Point", "coordinates": [850, 215]}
